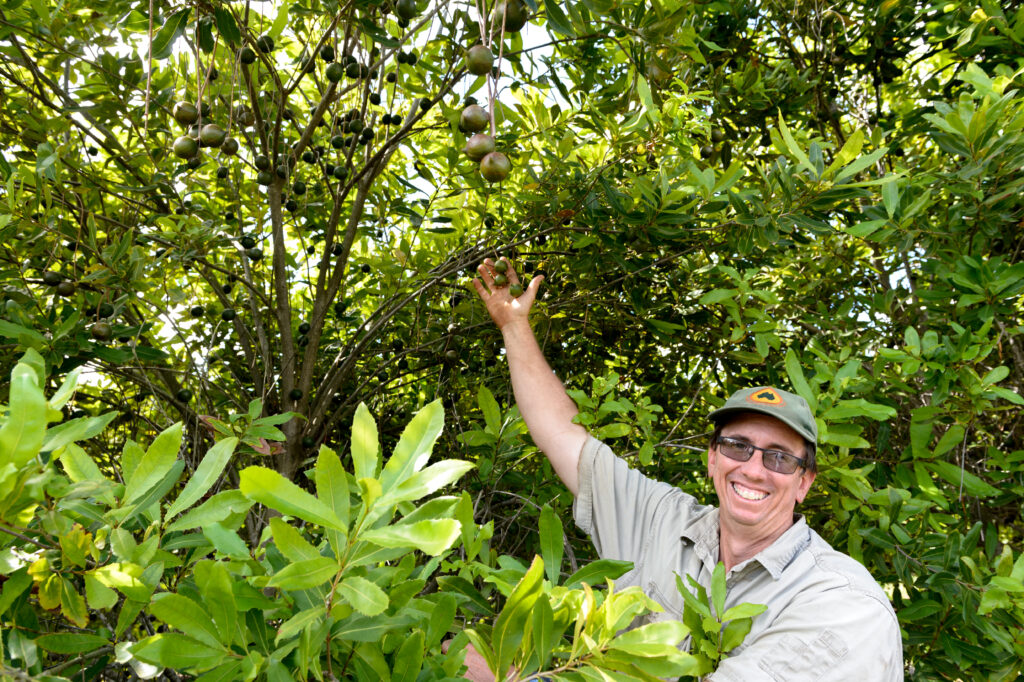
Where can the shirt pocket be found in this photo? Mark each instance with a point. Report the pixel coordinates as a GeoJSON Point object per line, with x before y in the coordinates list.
{"type": "Point", "coordinates": [672, 604]}
{"type": "Point", "coordinates": [798, 659]}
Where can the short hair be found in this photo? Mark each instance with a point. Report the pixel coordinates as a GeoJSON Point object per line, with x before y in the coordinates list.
{"type": "Point", "coordinates": [810, 448]}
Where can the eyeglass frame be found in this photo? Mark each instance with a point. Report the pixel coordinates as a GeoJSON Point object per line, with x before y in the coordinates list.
{"type": "Point", "coordinates": [801, 463]}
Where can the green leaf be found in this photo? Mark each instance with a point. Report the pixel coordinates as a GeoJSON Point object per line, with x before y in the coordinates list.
{"type": "Point", "coordinates": [363, 595]}
{"type": "Point", "coordinates": [428, 481]}
{"type": "Point", "coordinates": [958, 476]}
{"type": "Point", "coordinates": [23, 432]}
{"type": "Point", "coordinates": [614, 430]}
{"type": "Point", "coordinates": [370, 629]}
{"type": "Point", "coordinates": [545, 638]}
{"type": "Point", "coordinates": [79, 466]}
{"type": "Point", "coordinates": [735, 632]}
{"type": "Point", "coordinates": [206, 474]}
{"type": "Point", "coordinates": [226, 541]}
{"type": "Point", "coordinates": [409, 658]}
{"type": "Point", "coordinates": [919, 609]}
{"type": "Point", "coordinates": [126, 578]}
{"type": "Point", "coordinates": [183, 614]}
{"type": "Point", "coordinates": [413, 449]}
{"type": "Point", "coordinates": [171, 650]}
{"type": "Point", "coordinates": [953, 436]}
{"type": "Point", "coordinates": [75, 430]}
{"type": "Point", "coordinates": [796, 378]}
{"type": "Point", "coordinates": [17, 332]}
{"type": "Point", "coordinates": [508, 629]}
{"type": "Point", "coordinates": [332, 484]}
{"type": "Point", "coordinates": [15, 584]}
{"type": "Point", "coordinates": [557, 20]}
{"type": "Point", "coordinates": [155, 465]}
{"type": "Point", "coordinates": [718, 589]}
{"type": "Point", "coordinates": [281, 20]}
{"type": "Point", "coordinates": [304, 575]}
{"type": "Point", "coordinates": [218, 508]}
{"type": "Point", "coordinates": [653, 639]}
{"type": "Point", "coordinates": [430, 537]}
{"type": "Point", "coordinates": [891, 195]}
{"type": "Point", "coordinates": [492, 413]}
{"type": "Point", "coordinates": [72, 604]}
{"type": "Point", "coordinates": [301, 621]}
{"type": "Point", "coordinates": [290, 541]}
{"type": "Point", "coordinates": [860, 164]}
{"type": "Point", "coordinates": [270, 488]}
{"type": "Point", "coordinates": [365, 448]}
{"type": "Point", "coordinates": [848, 409]}
{"type": "Point", "coordinates": [551, 543]}
{"type": "Point", "coordinates": [597, 572]}
{"type": "Point", "coordinates": [71, 642]}
{"type": "Point", "coordinates": [227, 26]}
{"type": "Point", "coordinates": [851, 148]}
{"type": "Point", "coordinates": [164, 39]}
{"type": "Point", "coordinates": [214, 584]}
{"type": "Point", "coordinates": [442, 617]}
{"type": "Point", "coordinates": [744, 610]}
{"type": "Point", "coordinates": [717, 296]}
{"type": "Point", "coordinates": [794, 148]}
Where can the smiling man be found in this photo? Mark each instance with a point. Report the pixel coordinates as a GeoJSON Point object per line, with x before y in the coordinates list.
{"type": "Point", "coordinates": [826, 617]}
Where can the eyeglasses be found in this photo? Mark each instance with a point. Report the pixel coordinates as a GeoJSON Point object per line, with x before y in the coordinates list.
{"type": "Point", "coordinates": [774, 460]}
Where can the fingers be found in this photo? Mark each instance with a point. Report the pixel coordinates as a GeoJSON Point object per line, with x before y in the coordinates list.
{"type": "Point", "coordinates": [487, 273]}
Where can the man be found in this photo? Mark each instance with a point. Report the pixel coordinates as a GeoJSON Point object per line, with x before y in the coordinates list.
{"type": "Point", "coordinates": [826, 617]}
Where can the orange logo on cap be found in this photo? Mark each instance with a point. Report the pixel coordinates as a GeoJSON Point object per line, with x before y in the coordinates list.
{"type": "Point", "coordinates": [766, 396]}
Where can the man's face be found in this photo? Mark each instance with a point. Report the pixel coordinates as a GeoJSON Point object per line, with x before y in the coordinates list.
{"type": "Point", "coordinates": [752, 498]}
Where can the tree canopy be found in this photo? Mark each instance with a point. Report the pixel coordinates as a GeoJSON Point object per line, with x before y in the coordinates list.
{"type": "Point", "coordinates": [250, 219]}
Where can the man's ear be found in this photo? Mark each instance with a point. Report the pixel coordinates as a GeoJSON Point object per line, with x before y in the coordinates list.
{"type": "Point", "coordinates": [712, 461]}
{"type": "Point", "coordinates": [806, 479]}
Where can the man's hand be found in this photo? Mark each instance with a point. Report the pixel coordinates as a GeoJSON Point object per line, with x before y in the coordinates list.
{"type": "Point", "coordinates": [504, 308]}
{"type": "Point", "coordinates": [546, 408]}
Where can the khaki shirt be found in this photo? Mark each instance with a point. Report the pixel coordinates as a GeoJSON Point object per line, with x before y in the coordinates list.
{"type": "Point", "coordinates": [826, 617]}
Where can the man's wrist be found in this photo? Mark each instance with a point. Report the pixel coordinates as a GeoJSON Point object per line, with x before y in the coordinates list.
{"type": "Point", "coordinates": [515, 331]}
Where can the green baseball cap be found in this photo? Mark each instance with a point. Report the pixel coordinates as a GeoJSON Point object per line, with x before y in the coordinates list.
{"type": "Point", "coordinates": [788, 408]}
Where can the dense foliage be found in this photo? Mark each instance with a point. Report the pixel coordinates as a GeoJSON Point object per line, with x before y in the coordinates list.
{"type": "Point", "coordinates": [720, 194]}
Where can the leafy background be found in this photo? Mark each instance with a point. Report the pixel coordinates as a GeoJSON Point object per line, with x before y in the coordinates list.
{"type": "Point", "coordinates": [721, 194]}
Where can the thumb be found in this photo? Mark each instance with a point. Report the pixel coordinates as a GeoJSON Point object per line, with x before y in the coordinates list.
{"type": "Point", "coordinates": [530, 295]}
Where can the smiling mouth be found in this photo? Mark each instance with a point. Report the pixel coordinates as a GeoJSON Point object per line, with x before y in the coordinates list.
{"type": "Point", "coordinates": [749, 494]}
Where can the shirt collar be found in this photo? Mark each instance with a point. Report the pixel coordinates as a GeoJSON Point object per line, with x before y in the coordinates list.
{"type": "Point", "coordinates": [703, 533]}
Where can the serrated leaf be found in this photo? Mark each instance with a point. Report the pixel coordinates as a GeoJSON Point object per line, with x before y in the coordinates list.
{"type": "Point", "coordinates": [304, 575]}
{"type": "Point", "coordinates": [363, 595]}
{"type": "Point", "coordinates": [171, 650]}
{"type": "Point", "coordinates": [270, 488]}
{"type": "Point", "coordinates": [181, 613]}
{"type": "Point", "coordinates": [71, 642]}
{"type": "Point", "coordinates": [431, 536]}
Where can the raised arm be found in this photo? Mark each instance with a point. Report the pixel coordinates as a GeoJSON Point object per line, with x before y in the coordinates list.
{"type": "Point", "coordinates": [546, 407]}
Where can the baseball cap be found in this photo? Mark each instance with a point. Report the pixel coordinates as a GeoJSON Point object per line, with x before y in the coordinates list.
{"type": "Point", "coordinates": [787, 407]}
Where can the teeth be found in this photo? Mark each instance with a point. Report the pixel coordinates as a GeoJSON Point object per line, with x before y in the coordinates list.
{"type": "Point", "coordinates": [747, 493]}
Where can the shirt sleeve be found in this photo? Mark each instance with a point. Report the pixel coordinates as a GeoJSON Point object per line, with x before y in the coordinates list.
{"type": "Point", "coordinates": [616, 505]}
{"type": "Point", "coordinates": [837, 636]}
